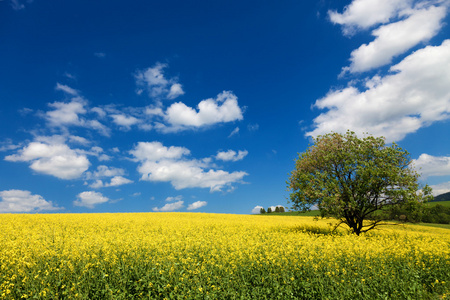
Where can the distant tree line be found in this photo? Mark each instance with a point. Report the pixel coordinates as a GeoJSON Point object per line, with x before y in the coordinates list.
{"type": "Point", "coordinates": [436, 214]}
{"type": "Point", "coordinates": [278, 209]}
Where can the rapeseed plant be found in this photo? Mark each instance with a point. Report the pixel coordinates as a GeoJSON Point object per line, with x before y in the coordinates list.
{"type": "Point", "coordinates": [185, 255]}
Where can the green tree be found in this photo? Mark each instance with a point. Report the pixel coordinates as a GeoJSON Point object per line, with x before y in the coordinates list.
{"type": "Point", "coordinates": [277, 209]}
{"type": "Point", "coordinates": [356, 180]}
{"type": "Point", "coordinates": [282, 210]}
{"type": "Point", "coordinates": [269, 210]}
{"type": "Point", "coordinates": [262, 210]}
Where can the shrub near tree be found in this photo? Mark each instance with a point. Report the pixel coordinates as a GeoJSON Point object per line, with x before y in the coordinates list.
{"type": "Point", "coordinates": [355, 180]}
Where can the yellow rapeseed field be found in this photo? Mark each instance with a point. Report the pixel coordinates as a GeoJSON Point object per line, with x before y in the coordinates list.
{"type": "Point", "coordinates": [216, 256]}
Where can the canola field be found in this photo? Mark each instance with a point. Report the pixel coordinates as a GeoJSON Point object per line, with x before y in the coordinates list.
{"type": "Point", "coordinates": [216, 256]}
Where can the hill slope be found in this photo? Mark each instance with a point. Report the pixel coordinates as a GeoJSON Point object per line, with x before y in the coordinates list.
{"type": "Point", "coordinates": [442, 197]}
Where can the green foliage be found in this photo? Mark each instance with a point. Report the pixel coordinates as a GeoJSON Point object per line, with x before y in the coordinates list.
{"type": "Point", "coordinates": [277, 209]}
{"type": "Point", "coordinates": [269, 210]}
{"type": "Point", "coordinates": [262, 210]}
{"type": "Point", "coordinates": [436, 214]}
{"type": "Point", "coordinates": [356, 180]}
{"type": "Point", "coordinates": [282, 210]}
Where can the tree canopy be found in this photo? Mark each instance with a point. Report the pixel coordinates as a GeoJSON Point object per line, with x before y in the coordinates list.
{"type": "Point", "coordinates": [356, 180]}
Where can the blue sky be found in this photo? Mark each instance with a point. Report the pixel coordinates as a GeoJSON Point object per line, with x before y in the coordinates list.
{"type": "Point", "coordinates": [202, 106]}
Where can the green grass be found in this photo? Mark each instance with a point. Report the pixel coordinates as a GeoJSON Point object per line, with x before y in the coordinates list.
{"type": "Point", "coordinates": [315, 213]}
{"type": "Point", "coordinates": [443, 203]}
{"type": "Point", "coordinates": [445, 226]}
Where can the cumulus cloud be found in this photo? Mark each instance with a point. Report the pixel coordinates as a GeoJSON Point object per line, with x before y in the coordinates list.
{"type": "Point", "coordinates": [66, 114]}
{"type": "Point", "coordinates": [116, 175]}
{"type": "Point", "coordinates": [155, 151]}
{"type": "Point", "coordinates": [156, 84]}
{"type": "Point", "coordinates": [118, 180]}
{"type": "Point", "coordinates": [115, 181]}
{"type": "Point", "coordinates": [428, 165]}
{"type": "Point", "coordinates": [231, 155]}
{"type": "Point", "coordinates": [55, 159]}
{"type": "Point", "coordinates": [19, 201]}
{"type": "Point", "coordinates": [223, 108]}
{"type": "Point", "coordinates": [125, 121]}
{"type": "Point", "coordinates": [196, 205]}
{"type": "Point", "coordinates": [170, 206]}
{"type": "Point", "coordinates": [169, 164]}
{"type": "Point", "coordinates": [396, 38]}
{"type": "Point", "coordinates": [175, 91]}
{"type": "Point", "coordinates": [90, 199]}
{"type": "Point", "coordinates": [363, 14]}
{"type": "Point", "coordinates": [176, 198]}
{"type": "Point", "coordinates": [396, 104]}
{"type": "Point", "coordinates": [441, 188]}
{"type": "Point", "coordinates": [256, 209]}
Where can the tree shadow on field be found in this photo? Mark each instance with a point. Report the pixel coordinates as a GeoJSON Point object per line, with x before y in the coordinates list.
{"type": "Point", "coordinates": [318, 230]}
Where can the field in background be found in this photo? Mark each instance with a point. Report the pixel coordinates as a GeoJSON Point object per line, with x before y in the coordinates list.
{"type": "Point", "coordinates": [311, 213]}
{"type": "Point", "coordinates": [200, 256]}
{"type": "Point", "coordinates": [443, 203]}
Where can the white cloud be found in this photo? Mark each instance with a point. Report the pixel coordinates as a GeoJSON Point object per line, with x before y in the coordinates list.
{"type": "Point", "coordinates": [396, 38]}
{"type": "Point", "coordinates": [168, 164]}
{"type": "Point", "coordinates": [196, 205]}
{"type": "Point", "coordinates": [154, 151]}
{"type": "Point", "coordinates": [119, 180]}
{"type": "Point", "coordinates": [125, 121]}
{"type": "Point", "coordinates": [187, 174]}
{"type": "Point", "coordinates": [99, 111]}
{"type": "Point", "coordinates": [257, 209]}
{"type": "Point", "coordinates": [66, 89]}
{"type": "Point", "coordinates": [395, 105]}
{"type": "Point", "coordinates": [176, 198]}
{"type": "Point", "coordinates": [78, 140]}
{"type": "Point", "coordinates": [115, 181]}
{"type": "Point", "coordinates": [154, 111]}
{"type": "Point", "coordinates": [176, 90]}
{"type": "Point", "coordinates": [104, 172]}
{"type": "Point", "coordinates": [231, 155]}
{"type": "Point", "coordinates": [441, 188]}
{"type": "Point", "coordinates": [90, 199]}
{"type": "Point", "coordinates": [19, 201]}
{"type": "Point", "coordinates": [170, 206]}
{"type": "Point", "coordinates": [211, 111]}
{"type": "Point", "coordinates": [8, 145]}
{"type": "Point", "coordinates": [65, 114]}
{"type": "Point", "coordinates": [428, 165]}
{"type": "Point", "coordinates": [234, 132]}
{"type": "Point", "coordinates": [157, 85]}
{"type": "Point", "coordinates": [363, 14]}
{"type": "Point", "coordinates": [53, 159]}
{"type": "Point", "coordinates": [96, 184]}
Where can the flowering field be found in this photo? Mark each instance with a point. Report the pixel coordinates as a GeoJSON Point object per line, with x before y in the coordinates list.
{"type": "Point", "coordinates": [214, 256]}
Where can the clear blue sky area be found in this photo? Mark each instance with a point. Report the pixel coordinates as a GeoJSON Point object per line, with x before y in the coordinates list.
{"type": "Point", "coordinates": [202, 106]}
